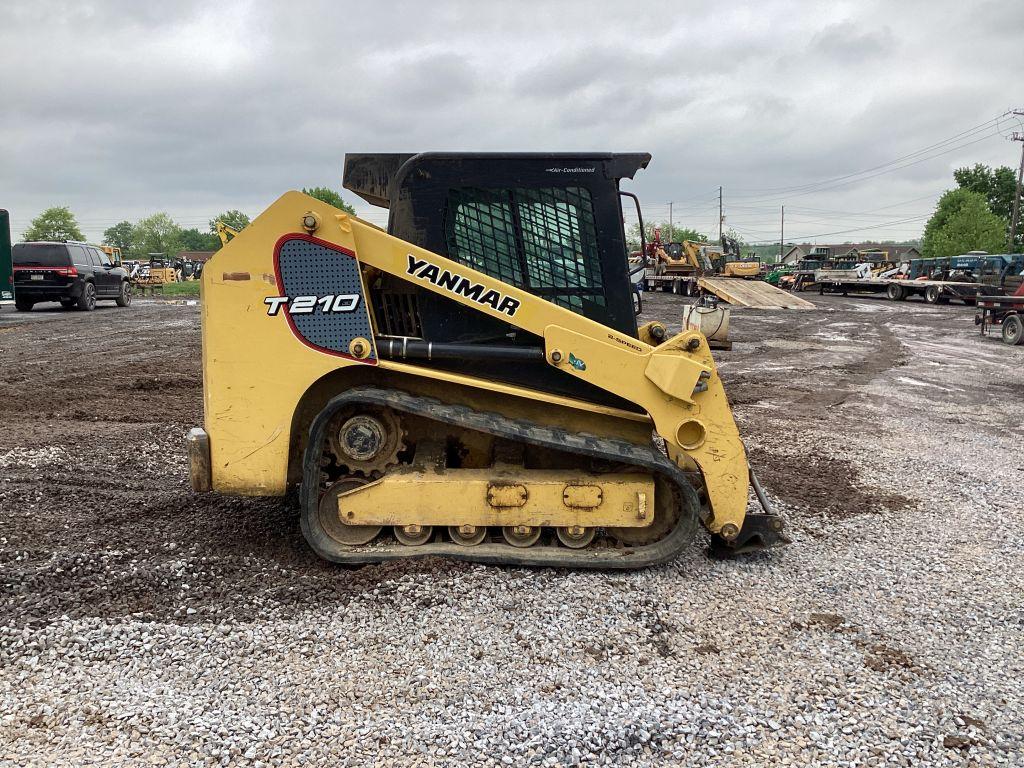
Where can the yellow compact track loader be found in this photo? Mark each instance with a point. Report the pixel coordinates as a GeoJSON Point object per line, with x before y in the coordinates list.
{"type": "Point", "coordinates": [159, 272]}
{"type": "Point", "coordinates": [472, 382]}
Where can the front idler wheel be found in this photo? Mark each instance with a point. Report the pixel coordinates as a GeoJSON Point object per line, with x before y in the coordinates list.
{"type": "Point", "coordinates": [671, 508]}
{"type": "Point", "coordinates": [331, 520]}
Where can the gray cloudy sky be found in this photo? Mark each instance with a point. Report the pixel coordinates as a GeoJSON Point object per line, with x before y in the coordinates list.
{"type": "Point", "coordinates": [122, 109]}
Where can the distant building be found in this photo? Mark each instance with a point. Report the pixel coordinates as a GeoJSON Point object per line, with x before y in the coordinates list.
{"type": "Point", "coordinates": [847, 252]}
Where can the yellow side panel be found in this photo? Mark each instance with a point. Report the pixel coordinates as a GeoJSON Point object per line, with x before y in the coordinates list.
{"type": "Point", "coordinates": [254, 368]}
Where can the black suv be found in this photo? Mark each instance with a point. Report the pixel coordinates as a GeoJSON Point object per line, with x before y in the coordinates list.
{"type": "Point", "coordinates": [75, 274]}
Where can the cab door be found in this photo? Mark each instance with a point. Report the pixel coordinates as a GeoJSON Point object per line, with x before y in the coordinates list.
{"type": "Point", "coordinates": [82, 261]}
{"type": "Point", "coordinates": [107, 281]}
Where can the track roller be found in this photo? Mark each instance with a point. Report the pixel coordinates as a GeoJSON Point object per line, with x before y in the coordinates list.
{"type": "Point", "coordinates": [413, 535]}
{"type": "Point", "coordinates": [521, 535]}
{"type": "Point", "coordinates": [467, 535]}
{"type": "Point", "coordinates": [576, 537]}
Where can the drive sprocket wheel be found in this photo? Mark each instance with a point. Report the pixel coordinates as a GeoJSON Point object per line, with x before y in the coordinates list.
{"type": "Point", "coordinates": [366, 442]}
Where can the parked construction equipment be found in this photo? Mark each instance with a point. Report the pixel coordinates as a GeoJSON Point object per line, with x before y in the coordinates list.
{"type": "Point", "coordinates": [681, 266]}
{"type": "Point", "coordinates": [937, 281]}
{"type": "Point", "coordinates": [186, 269]}
{"type": "Point", "coordinates": [732, 264]}
{"type": "Point", "coordinates": [113, 252]}
{"type": "Point", "coordinates": [471, 383]}
{"type": "Point", "coordinates": [1007, 312]}
{"type": "Point", "coordinates": [151, 276]}
{"type": "Point", "coordinates": [688, 258]}
{"type": "Point", "coordinates": [158, 271]}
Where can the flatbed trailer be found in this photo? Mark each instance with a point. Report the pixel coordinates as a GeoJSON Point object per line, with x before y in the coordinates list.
{"type": "Point", "coordinates": [932, 291]}
{"type": "Point", "coordinates": [848, 286]}
{"type": "Point", "coordinates": [681, 284]}
{"type": "Point", "coordinates": [1004, 311]}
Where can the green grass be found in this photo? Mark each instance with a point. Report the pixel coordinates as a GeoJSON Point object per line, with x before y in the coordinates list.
{"type": "Point", "coordinates": [185, 288]}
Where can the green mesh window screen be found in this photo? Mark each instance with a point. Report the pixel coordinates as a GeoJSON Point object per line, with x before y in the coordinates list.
{"type": "Point", "coordinates": [483, 234]}
{"type": "Point", "coordinates": [542, 240]}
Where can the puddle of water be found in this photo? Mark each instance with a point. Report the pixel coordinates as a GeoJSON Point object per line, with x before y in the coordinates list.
{"type": "Point", "coordinates": [919, 383]}
{"type": "Point", "coordinates": [825, 336]}
{"type": "Point", "coordinates": [786, 344]}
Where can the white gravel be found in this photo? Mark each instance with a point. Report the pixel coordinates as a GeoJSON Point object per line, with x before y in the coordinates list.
{"type": "Point", "coordinates": [879, 639]}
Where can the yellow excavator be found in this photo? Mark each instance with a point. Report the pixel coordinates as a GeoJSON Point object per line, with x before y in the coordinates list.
{"type": "Point", "coordinates": [470, 383]}
{"type": "Point", "coordinates": [705, 260]}
{"type": "Point", "coordinates": [732, 264]}
{"type": "Point", "coordinates": [687, 258]}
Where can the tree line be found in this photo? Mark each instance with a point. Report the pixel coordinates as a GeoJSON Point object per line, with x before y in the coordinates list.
{"type": "Point", "coordinates": [975, 216]}
{"type": "Point", "coordinates": [158, 233]}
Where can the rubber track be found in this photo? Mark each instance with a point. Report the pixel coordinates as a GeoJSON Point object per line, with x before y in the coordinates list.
{"type": "Point", "coordinates": [616, 451]}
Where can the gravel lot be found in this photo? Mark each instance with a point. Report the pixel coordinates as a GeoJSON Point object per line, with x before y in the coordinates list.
{"type": "Point", "coordinates": [140, 624]}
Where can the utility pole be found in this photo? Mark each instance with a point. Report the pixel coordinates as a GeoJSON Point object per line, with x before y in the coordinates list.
{"type": "Point", "coordinates": [671, 229]}
{"type": "Point", "coordinates": [1015, 219]}
{"type": "Point", "coordinates": [720, 217]}
{"type": "Point", "coordinates": [782, 234]}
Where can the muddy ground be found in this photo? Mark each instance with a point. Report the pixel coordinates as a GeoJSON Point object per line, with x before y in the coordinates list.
{"type": "Point", "coordinates": [863, 412]}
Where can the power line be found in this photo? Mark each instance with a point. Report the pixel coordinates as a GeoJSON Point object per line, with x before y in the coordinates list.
{"type": "Point", "coordinates": [856, 229]}
{"type": "Point", "coordinates": [879, 173]}
{"type": "Point", "coordinates": [987, 125]}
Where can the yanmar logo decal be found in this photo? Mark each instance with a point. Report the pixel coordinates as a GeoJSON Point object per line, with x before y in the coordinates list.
{"type": "Point", "coordinates": [461, 286]}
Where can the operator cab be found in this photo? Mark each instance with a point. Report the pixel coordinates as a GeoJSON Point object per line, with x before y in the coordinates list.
{"type": "Point", "coordinates": [550, 224]}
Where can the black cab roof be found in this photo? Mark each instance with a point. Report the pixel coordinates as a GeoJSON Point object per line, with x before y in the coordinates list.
{"type": "Point", "coordinates": [377, 176]}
